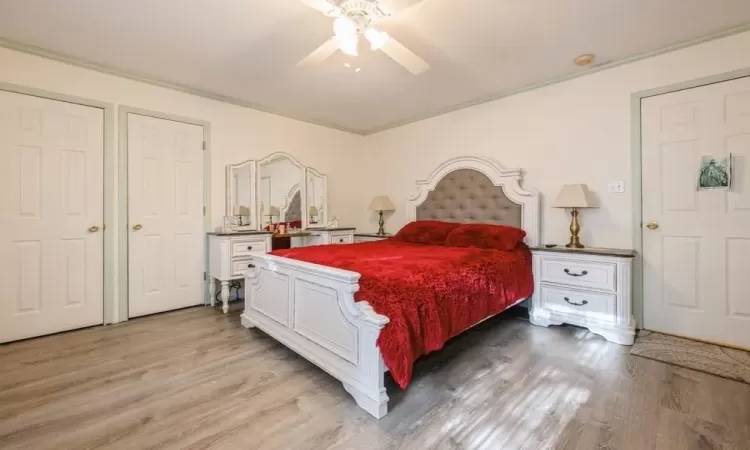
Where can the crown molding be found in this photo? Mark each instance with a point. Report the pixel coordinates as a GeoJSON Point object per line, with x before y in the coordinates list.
{"type": "Point", "coordinates": [87, 64]}
{"type": "Point", "coordinates": [562, 79]}
{"type": "Point", "coordinates": [109, 70]}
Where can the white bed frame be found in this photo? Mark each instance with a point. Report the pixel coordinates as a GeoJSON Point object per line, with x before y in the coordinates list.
{"type": "Point", "coordinates": [311, 308]}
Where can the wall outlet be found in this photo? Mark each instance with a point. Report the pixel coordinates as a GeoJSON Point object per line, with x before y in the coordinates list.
{"type": "Point", "coordinates": [616, 187]}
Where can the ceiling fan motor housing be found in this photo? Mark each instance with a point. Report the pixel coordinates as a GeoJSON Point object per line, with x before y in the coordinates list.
{"type": "Point", "coordinates": [362, 12]}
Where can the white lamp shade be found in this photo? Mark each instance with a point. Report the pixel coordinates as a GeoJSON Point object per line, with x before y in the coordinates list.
{"type": "Point", "coordinates": [241, 210]}
{"type": "Point", "coordinates": [381, 203]}
{"type": "Point", "coordinates": [313, 211]}
{"type": "Point", "coordinates": [274, 211]}
{"type": "Point", "coordinates": [575, 196]}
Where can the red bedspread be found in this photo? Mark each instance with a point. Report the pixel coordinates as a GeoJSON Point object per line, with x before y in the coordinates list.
{"type": "Point", "coordinates": [430, 293]}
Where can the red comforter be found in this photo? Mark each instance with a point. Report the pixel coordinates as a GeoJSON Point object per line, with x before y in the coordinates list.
{"type": "Point", "coordinates": [430, 293]}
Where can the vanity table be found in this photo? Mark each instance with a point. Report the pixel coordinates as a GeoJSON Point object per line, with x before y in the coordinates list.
{"type": "Point", "coordinates": [276, 189]}
{"type": "Point", "coordinates": [230, 255]}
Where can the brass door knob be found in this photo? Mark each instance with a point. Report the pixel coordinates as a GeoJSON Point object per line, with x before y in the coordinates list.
{"type": "Point", "coordinates": [652, 225]}
{"type": "Point", "coordinates": [137, 226]}
{"type": "Point", "coordinates": [93, 229]}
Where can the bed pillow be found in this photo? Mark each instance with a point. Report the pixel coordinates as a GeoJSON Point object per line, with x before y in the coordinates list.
{"type": "Point", "coordinates": [430, 232]}
{"type": "Point", "coordinates": [483, 235]}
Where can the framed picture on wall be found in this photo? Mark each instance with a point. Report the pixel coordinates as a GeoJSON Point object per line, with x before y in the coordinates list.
{"type": "Point", "coordinates": [715, 172]}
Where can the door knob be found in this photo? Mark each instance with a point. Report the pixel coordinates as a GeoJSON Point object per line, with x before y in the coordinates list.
{"type": "Point", "coordinates": [652, 225]}
{"type": "Point", "coordinates": [137, 226]}
{"type": "Point", "coordinates": [93, 229]}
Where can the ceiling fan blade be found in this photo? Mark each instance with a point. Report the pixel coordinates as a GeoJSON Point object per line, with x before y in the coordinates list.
{"type": "Point", "coordinates": [320, 54]}
{"type": "Point", "coordinates": [404, 56]}
{"type": "Point", "coordinates": [324, 6]}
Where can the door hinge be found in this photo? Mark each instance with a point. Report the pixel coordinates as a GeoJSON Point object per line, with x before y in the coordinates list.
{"type": "Point", "coordinates": [204, 145]}
{"type": "Point", "coordinates": [204, 210]}
{"type": "Point", "coordinates": [204, 276]}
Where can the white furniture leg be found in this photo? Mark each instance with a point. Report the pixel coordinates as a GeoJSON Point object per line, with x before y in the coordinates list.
{"type": "Point", "coordinates": [212, 291]}
{"type": "Point", "coordinates": [225, 296]}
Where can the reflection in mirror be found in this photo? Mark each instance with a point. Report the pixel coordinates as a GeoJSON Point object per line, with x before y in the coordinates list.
{"type": "Point", "coordinates": [241, 193]}
{"type": "Point", "coordinates": [317, 214]}
{"type": "Point", "coordinates": [280, 196]}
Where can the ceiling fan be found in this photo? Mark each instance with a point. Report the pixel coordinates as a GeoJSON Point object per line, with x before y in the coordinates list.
{"type": "Point", "coordinates": [352, 19]}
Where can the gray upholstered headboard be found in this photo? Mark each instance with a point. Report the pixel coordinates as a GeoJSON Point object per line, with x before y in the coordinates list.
{"type": "Point", "coordinates": [468, 196]}
{"type": "Point", "coordinates": [477, 189]}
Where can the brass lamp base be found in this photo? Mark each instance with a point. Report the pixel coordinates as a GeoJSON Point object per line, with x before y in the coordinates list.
{"type": "Point", "coordinates": [381, 223]}
{"type": "Point", "coordinates": [575, 228]}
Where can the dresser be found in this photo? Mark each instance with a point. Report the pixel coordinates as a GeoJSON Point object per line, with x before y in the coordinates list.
{"type": "Point", "coordinates": [229, 256]}
{"type": "Point", "coordinates": [590, 288]}
{"type": "Point", "coordinates": [370, 237]}
{"type": "Point", "coordinates": [328, 236]}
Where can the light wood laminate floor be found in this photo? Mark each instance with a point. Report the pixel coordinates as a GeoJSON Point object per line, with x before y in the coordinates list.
{"type": "Point", "coordinates": [196, 379]}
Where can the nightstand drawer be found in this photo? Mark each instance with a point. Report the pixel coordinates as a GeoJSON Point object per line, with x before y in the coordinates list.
{"type": "Point", "coordinates": [589, 304]}
{"type": "Point", "coordinates": [344, 238]}
{"type": "Point", "coordinates": [578, 272]}
{"type": "Point", "coordinates": [248, 247]}
{"type": "Point", "coordinates": [240, 266]}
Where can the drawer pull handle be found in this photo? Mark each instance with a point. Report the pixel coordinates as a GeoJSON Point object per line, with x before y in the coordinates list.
{"type": "Point", "coordinates": [583, 272]}
{"type": "Point", "coordinates": [341, 240]}
{"type": "Point", "coordinates": [583, 302]}
{"type": "Point", "coordinates": [249, 247]}
{"type": "Point", "coordinates": [251, 265]}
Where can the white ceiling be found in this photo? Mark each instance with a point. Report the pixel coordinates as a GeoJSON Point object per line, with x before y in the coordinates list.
{"type": "Point", "coordinates": [247, 49]}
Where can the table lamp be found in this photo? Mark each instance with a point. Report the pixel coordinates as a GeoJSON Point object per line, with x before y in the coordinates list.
{"type": "Point", "coordinates": [575, 196]}
{"type": "Point", "coordinates": [381, 203]}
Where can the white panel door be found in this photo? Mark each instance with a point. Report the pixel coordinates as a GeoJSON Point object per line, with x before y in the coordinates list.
{"type": "Point", "coordinates": [697, 261]}
{"type": "Point", "coordinates": [165, 202]}
{"type": "Point", "coordinates": [51, 193]}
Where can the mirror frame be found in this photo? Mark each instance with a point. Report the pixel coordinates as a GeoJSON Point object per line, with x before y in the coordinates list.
{"type": "Point", "coordinates": [253, 218]}
{"type": "Point", "coordinates": [322, 217]}
{"type": "Point", "coordinates": [302, 186]}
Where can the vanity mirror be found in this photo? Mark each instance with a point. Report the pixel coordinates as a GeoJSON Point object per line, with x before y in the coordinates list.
{"type": "Point", "coordinates": [241, 195]}
{"type": "Point", "coordinates": [317, 195]}
{"type": "Point", "coordinates": [277, 189]}
{"type": "Point", "coordinates": [281, 191]}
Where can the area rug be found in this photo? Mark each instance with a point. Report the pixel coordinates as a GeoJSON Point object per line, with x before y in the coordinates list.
{"type": "Point", "coordinates": [713, 359]}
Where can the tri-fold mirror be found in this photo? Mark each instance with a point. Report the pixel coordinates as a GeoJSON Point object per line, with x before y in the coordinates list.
{"type": "Point", "coordinates": [276, 189]}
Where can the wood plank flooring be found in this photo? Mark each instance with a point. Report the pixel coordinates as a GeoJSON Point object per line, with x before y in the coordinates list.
{"type": "Point", "coordinates": [195, 379]}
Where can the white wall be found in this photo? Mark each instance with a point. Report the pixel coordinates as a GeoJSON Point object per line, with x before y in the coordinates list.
{"type": "Point", "coordinates": [237, 133]}
{"type": "Point", "coordinates": [578, 131]}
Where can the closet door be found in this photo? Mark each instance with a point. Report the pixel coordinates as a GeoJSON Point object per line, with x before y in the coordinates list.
{"type": "Point", "coordinates": [51, 216]}
{"type": "Point", "coordinates": [165, 201]}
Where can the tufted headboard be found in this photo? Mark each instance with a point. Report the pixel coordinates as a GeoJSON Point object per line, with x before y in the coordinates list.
{"type": "Point", "coordinates": [468, 196]}
{"type": "Point", "coordinates": [477, 189]}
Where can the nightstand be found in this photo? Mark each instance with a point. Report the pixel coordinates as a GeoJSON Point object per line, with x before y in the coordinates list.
{"type": "Point", "coordinates": [370, 237]}
{"type": "Point", "coordinates": [589, 287]}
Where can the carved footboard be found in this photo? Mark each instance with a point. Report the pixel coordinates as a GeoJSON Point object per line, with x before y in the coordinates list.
{"type": "Point", "coordinates": [311, 309]}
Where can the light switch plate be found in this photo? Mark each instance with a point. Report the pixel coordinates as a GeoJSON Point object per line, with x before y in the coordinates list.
{"type": "Point", "coordinates": [616, 187]}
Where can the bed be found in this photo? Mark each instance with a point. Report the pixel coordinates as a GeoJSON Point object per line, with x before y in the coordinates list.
{"type": "Point", "coordinates": [308, 300]}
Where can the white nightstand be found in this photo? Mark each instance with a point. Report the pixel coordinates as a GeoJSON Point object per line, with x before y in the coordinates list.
{"type": "Point", "coordinates": [586, 287]}
{"type": "Point", "coordinates": [369, 237]}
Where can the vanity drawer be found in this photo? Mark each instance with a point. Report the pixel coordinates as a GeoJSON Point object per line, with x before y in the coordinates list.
{"type": "Point", "coordinates": [240, 266]}
{"type": "Point", "coordinates": [247, 247]}
{"type": "Point", "coordinates": [591, 304]}
{"type": "Point", "coordinates": [342, 238]}
{"type": "Point", "coordinates": [588, 274]}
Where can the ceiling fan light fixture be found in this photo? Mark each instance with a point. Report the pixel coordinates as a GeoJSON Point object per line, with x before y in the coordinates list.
{"type": "Point", "coordinates": [344, 28]}
{"type": "Point", "coordinates": [349, 45]}
{"type": "Point", "coordinates": [377, 38]}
